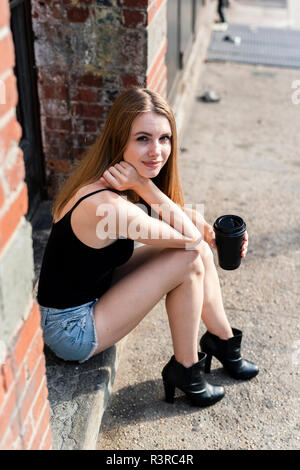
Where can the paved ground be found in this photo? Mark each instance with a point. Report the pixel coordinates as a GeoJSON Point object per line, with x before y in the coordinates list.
{"type": "Point", "coordinates": [239, 156]}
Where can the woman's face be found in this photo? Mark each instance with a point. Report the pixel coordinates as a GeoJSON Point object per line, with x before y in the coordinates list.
{"type": "Point", "coordinates": [149, 144]}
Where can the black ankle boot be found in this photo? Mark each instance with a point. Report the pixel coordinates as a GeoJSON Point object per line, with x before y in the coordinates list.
{"type": "Point", "coordinates": [191, 381]}
{"type": "Point", "coordinates": [228, 352]}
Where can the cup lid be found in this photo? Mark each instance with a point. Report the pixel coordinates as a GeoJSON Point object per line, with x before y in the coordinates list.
{"type": "Point", "coordinates": [229, 224]}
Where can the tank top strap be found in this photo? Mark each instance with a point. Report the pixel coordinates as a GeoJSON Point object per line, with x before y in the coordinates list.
{"type": "Point", "coordinates": [90, 194]}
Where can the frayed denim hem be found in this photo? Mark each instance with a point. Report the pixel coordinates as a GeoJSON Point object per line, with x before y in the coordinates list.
{"type": "Point", "coordinates": [95, 338]}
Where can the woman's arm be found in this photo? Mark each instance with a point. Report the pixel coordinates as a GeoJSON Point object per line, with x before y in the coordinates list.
{"type": "Point", "coordinates": [208, 232]}
{"type": "Point", "coordinates": [167, 210]}
{"type": "Point", "coordinates": [124, 176]}
{"type": "Point", "coordinates": [115, 217]}
{"type": "Point", "coordinates": [204, 228]}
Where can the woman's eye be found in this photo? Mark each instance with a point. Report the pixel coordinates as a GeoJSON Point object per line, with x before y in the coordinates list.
{"type": "Point", "coordinates": [165, 137]}
{"type": "Point", "coordinates": [142, 138]}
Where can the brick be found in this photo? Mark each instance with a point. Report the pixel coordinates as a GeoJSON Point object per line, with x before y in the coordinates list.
{"type": "Point", "coordinates": [135, 3]}
{"type": "Point", "coordinates": [78, 154]}
{"type": "Point", "coordinates": [15, 426]}
{"type": "Point", "coordinates": [153, 9]}
{"type": "Point", "coordinates": [7, 53]}
{"type": "Point", "coordinates": [59, 153]}
{"type": "Point", "coordinates": [7, 441]}
{"type": "Point", "coordinates": [35, 352]}
{"type": "Point", "coordinates": [11, 132]}
{"type": "Point", "coordinates": [134, 18]}
{"type": "Point", "coordinates": [31, 389]}
{"type": "Point", "coordinates": [42, 428]}
{"type": "Point", "coordinates": [2, 388]}
{"type": "Point", "coordinates": [11, 94]}
{"type": "Point", "coordinates": [40, 402]}
{"type": "Point", "coordinates": [2, 195]}
{"type": "Point", "coordinates": [4, 13]}
{"type": "Point", "coordinates": [160, 72]}
{"type": "Point", "coordinates": [15, 173]}
{"type": "Point", "coordinates": [85, 95]}
{"type": "Point", "coordinates": [89, 79]}
{"type": "Point", "coordinates": [7, 373]}
{"type": "Point", "coordinates": [162, 84]}
{"type": "Point", "coordinates": [58, 124]}
{"type": "Point", "coordinates": [57, 138]}
{"type": "Point", "coordinates": [11, 217]}
{"type": "Point", "coordinates": [86, 125]}
{"type": "Point", "coordinates": [58, 76]}
{"type": "Point", "coordinates": [21, 379]}
{"type": "Point", "coordinates": [28, 431]}
{"type": "Point", "coordinates": [18, 444]}
{"type": "Point", "coordinates": [88, 110]}
{"type": "Point", "coordinates": [77, 15]}
{"type": "Point", "coordinates": [56, 11]}
{"type": "Point", "coordinates": [46, 443]}
{"type": "Point", "coordinates": [26, 334]}
{"type": "Point", "coordinates": [54, 92]}
{"type": "Point", "coordinates": [58, 166]}
{"type": "Point", "coordinates": [6, 412]}
{"type": "Point", "coordinates": [132, 80]}
{"type": "Point", "coordinates": [153, 67]}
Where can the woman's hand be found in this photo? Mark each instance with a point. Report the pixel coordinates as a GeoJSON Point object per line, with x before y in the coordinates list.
{"type": "Point", "coordinates": [122, 176]}
{"type": "Point", "coordinates": [210, 238]}
{"type": "Point", "coordinates": [245, 245]}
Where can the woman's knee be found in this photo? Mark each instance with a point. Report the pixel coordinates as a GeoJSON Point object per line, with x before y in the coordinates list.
{"type": "Point", "coordinates": [189, 262]}
{"type": "Point", "coordinates": [205, 252]}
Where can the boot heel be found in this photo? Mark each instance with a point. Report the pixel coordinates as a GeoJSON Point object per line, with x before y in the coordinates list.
{"type": "Point", "coordinates": [169, 392]}
{"type": "Point", "coordinates": [208, 363]}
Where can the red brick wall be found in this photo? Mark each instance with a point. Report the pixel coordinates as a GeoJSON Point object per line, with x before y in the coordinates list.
{"type": "Point", "coordinates": [24, 407]}
{"type": "Point", "coordinates": [110, 54]}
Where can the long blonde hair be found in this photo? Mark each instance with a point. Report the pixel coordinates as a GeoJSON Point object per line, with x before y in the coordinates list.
{"type": "Point", "coordinates": [110, 145]}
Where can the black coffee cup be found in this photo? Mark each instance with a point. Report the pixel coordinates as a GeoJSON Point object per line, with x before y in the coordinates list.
{"type": "Point", "coordinates": [230, 231]}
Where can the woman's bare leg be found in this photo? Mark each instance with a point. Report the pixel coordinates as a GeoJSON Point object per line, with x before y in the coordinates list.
{"type": "Point", "coordinates": [184, 307]}
{"type": "Point", "coordinates": [140, 255]}
{"type": "Point", "coordinates": [126, 303]}
{"type": "Point", "coordinates": [213, 313]}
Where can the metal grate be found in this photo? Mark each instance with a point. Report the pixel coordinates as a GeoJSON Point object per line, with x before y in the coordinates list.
{"type": "Point", "coordinates": [259, 45]}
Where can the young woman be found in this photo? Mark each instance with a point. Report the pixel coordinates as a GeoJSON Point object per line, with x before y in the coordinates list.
{"type": "Point", "coordinates": [94, 288]}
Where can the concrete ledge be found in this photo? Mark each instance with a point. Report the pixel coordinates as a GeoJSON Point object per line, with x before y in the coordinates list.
{"type": "Point", "coordinates": [78, 396]}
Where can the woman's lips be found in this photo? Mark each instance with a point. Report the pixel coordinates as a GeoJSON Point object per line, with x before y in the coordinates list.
{"type": "Point", "coordinates": [151, 164]}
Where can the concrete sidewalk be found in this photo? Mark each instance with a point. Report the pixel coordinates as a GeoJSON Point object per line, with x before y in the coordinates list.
{"type": "Point", "coordinates": [239, 156]}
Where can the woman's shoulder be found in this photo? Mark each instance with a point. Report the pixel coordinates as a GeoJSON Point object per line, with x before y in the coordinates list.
{"type": "Point", "coordinates": [90, 199]}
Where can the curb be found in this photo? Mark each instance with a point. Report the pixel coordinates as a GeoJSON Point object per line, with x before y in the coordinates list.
{"type": "Point", "coordinates": [78, 396]}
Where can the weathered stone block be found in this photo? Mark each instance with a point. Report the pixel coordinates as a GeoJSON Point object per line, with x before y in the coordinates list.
{"type": "Point", "coordinates": [16, 277]}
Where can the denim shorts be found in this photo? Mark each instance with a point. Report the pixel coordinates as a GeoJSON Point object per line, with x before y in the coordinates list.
{"type": "Point", "coordinates": [70, 332]}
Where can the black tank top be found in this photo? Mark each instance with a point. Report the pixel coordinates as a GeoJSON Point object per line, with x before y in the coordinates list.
{"type": "Point", "coordinates": [73, 273]}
